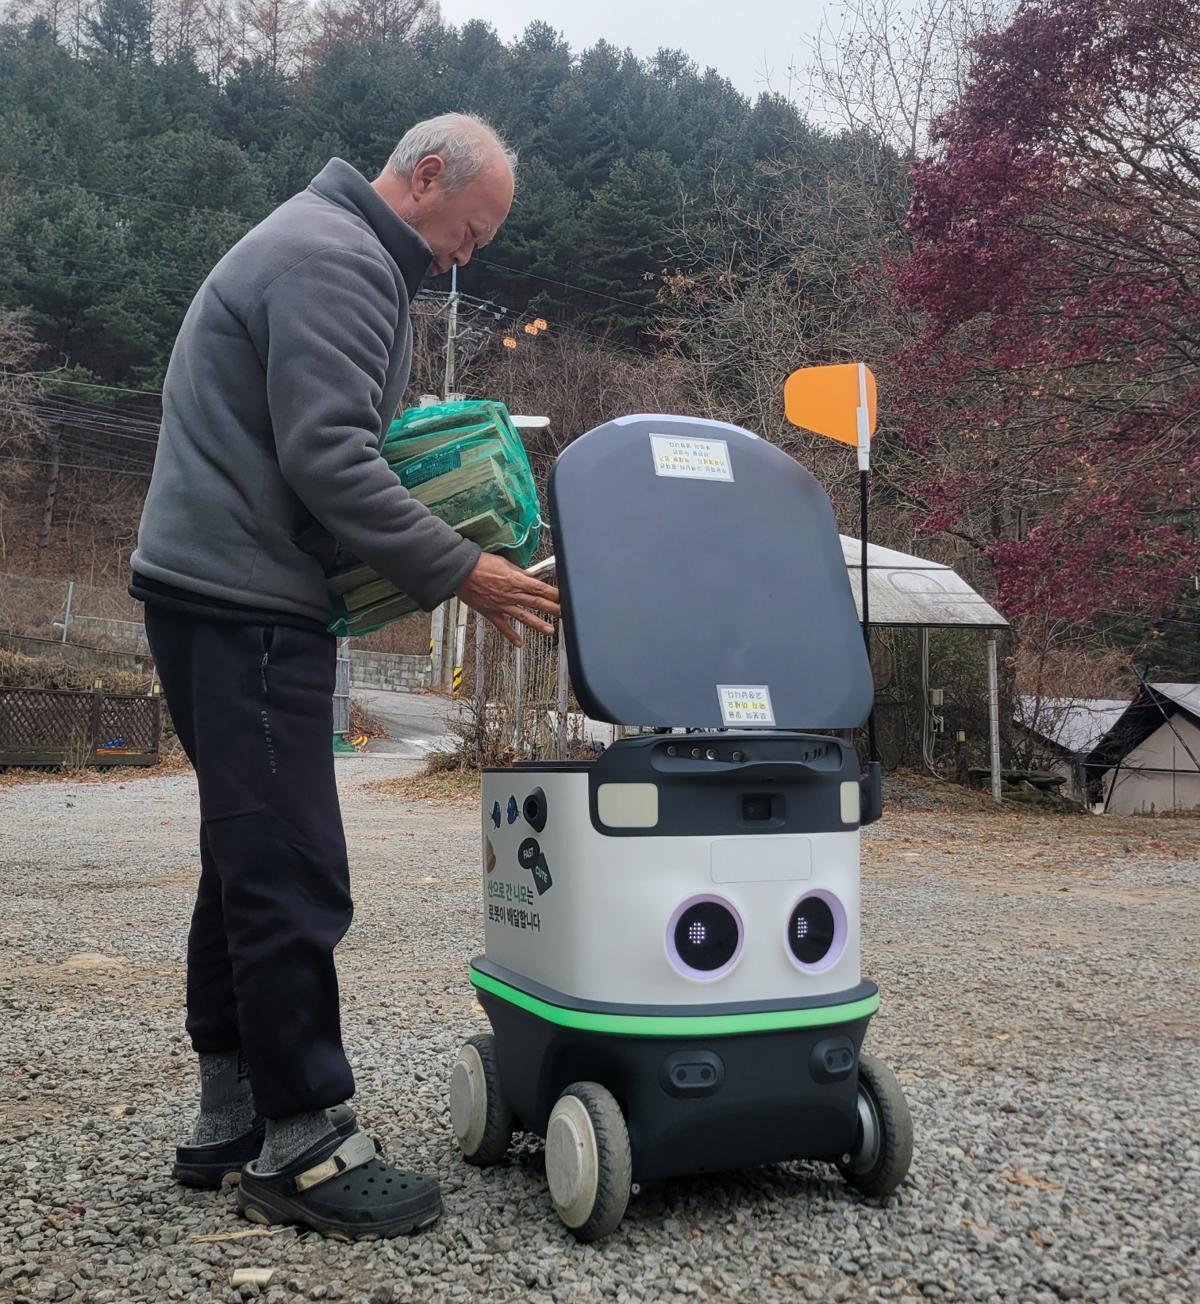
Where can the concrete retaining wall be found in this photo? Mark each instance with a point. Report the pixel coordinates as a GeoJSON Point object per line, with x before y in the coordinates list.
{"type": "Point", "coordinates": [394, 670]}
{"type": "Point", "coordinates": [126, 634]}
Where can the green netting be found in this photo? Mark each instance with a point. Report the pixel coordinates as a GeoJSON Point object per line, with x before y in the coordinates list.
{"type": "Point", "coordinates": [466, 463]}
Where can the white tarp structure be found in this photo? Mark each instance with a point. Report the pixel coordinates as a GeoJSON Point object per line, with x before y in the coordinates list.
{"type": "Point", "coordinates": [1147, 761]}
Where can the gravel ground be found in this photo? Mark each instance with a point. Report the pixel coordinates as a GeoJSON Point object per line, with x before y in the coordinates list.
{"type": "Point", "coordinates": [1039, 979]}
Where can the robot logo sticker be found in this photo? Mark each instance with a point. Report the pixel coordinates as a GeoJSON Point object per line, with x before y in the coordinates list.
{"type": "Point", "coordinates": [746, 704]}
{"type": "Point", "coordinates": [541, 876]}
{"type": "Point", "coordinates": [691, 459]}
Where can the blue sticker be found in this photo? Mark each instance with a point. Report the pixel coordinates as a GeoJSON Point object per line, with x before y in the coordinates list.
{"type": "Point", "coordinates": [512, 810]}
{"type": "Point", "coordinates": [496, 814]}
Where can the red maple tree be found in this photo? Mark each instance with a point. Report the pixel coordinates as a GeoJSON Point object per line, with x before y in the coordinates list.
{"type": "Point", "coordinates": [1050, 409]}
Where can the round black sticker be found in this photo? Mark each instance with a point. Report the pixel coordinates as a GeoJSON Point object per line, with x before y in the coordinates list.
{"type": "Point", "coordinates": [528, 853]}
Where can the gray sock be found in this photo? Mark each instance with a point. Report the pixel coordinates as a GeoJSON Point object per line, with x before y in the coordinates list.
{"type": "Point", "coordinates": [226, 1104]}
{"type": "Point", "coordinates": [289, 1138]}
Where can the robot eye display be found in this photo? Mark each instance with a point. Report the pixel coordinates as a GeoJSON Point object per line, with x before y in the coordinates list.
{"type": "Point", "coordinates": [816, 931]}
{"type": "Point", "coordinates": [704, 938]}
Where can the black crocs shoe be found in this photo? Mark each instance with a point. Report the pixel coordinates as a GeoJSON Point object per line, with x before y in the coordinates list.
{"type": "Point", "coordinates": [220, 1163]}
{"type": "Point", "coordinates": [341, 1188]}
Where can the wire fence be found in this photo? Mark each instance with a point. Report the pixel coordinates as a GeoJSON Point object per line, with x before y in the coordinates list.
{"type": "Point", "coordinates": [71, 612]}
{"type": "Point", "coordinates": [516, 703]}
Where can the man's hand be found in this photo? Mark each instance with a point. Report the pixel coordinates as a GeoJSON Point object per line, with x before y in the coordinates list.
{"type": "Point", "coordinates": [502, 593]}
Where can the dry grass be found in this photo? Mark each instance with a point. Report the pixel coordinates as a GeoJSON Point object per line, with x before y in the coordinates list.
{"type": "Point", "coordinates": [362, 722]}
{"type": "Point", "coordinates": [20, 671]}
{"type": "Point", "coordinates": [445, 787]}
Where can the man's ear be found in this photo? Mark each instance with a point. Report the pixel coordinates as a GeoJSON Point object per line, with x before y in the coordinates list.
{"type": "Point", "coordinates": [428, 171]}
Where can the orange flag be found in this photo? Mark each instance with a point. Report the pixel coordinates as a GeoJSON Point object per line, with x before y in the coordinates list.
{"type": "Point", "coordinates": [827, 401]}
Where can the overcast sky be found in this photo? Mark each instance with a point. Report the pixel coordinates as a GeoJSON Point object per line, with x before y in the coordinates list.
{"type": "Point", "coordinates": [739, 39]}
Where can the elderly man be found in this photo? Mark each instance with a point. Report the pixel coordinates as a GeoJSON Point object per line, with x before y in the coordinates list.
{"type": "Point", "coordinates": [289, 365]}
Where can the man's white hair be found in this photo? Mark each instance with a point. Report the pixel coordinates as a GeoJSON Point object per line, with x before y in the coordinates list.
{"type": "Point", "coordinates": [465, 143]}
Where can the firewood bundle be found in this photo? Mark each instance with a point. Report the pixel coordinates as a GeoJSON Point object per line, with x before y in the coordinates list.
{"type": "Point", "coordinates": [466, 463]}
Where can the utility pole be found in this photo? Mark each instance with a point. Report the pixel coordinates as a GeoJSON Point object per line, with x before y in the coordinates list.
{"type": "Point", "coordinates": [443, 642]}
{"type": "Point", "coordinates": [48, 509]}
{"type": "Point", "coordinates": [451, 335]}
{"type": "Point", "coordinates": [994, 716]}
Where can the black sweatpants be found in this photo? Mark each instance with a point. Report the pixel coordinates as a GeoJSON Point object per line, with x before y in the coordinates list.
{"type": "Point", "coordinates": [253, 707]}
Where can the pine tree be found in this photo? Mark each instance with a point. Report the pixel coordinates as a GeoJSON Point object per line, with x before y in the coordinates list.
{"type": "Point", "coordinates": [121, 30]}
{"type": "Point", "coordinates": [626, 236]}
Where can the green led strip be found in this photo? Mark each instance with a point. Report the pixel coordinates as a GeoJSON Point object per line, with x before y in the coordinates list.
{"type": "Point", "coordinates": [678, 1025]}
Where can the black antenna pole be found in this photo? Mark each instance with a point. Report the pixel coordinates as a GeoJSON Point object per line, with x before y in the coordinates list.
{"type": "Point", "coordinates": [871, 784]}
{"type": "Point", "coordinates": [863, 513]}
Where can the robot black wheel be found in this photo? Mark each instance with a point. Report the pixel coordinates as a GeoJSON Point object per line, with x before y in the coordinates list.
{"type": "Point", "coordinates": [884, 1141]}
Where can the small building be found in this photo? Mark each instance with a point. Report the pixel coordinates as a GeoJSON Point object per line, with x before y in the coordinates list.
{"type": "Point", "coordinates": [1147, 760]}
{"type": "Point", "coordinates": [1065, 730]}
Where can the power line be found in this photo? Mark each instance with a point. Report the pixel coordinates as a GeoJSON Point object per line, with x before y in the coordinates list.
{"type": "Point", "coordinates": [138, 199]}
{"type": "Point", "coordinates": [110, 416]}
{"type": "Point", "coordinates": [566, 285]}
{"type": "Point", "coordinates": [75, 466]}
{"type": "Point", "coordinates": [68, 403]}
{"type": "Point", "coordinates": [82, 384]}
{"type": "Point", "coordinates": [86, 425]}
{"type": "Point", "coordinates": [130, 282]}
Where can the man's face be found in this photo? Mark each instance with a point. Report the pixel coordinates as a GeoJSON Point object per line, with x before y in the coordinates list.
{"type": "Point", "coordinates": [455, 224]}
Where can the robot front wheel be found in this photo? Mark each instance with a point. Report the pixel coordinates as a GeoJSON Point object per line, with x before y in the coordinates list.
{"type": "Point", "coordinates": [482, 1121]}
{"type": "Point", "coordinates": [589, 1166]}
{"type": "Point", "coordinates": [884, 1138]}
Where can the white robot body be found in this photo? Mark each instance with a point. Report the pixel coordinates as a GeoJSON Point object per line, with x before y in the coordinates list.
{"type": "Point", "coordinates": [595, 923]}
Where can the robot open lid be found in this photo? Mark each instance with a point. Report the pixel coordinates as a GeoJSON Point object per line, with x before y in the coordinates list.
{"type": "Point", "coordinates": [671, 965]}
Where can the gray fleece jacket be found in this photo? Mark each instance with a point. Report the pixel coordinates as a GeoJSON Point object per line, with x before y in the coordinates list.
{"type": "Point", "coordinates": [288, 368]}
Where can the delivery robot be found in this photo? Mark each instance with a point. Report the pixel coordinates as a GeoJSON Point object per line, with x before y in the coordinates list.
{"type": "Point", "coordinates": [671, 967]}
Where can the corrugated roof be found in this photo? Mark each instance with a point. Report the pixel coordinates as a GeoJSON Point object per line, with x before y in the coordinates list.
{"type": "Point", "coordinates": [1075, 724]}
{"type": "Point", "coordinates": [908, 590]}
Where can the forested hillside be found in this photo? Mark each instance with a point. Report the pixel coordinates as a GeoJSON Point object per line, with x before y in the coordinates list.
{"type": "Point", "coordinates": [1005, 230]}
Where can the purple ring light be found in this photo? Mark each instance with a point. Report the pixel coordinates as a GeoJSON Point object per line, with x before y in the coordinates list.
{"type": "Point", "coordinates": [678, 963]}
{"type": "Point", "coordinates": [840, 932]}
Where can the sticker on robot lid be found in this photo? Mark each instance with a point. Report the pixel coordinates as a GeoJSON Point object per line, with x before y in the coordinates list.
{"type": "Point", "coordinates": [691, 459]}
{"type": "Point", "coordinates": [746, 704]}
{"type": "Point", "coordinates": [528, 853]}
{"type": "Point", "coordinates": [541, 876]}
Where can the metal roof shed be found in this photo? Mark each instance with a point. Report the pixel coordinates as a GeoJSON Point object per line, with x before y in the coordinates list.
{"type": "Point", "coordinates": [909, 592]}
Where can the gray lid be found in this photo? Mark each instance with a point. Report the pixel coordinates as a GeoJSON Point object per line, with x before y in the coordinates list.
{"type": "Point", "coordinates": [695, 561]}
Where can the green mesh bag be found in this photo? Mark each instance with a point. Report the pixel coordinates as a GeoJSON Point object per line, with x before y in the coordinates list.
{"type": "Point", "coordinates": [466, 463]}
